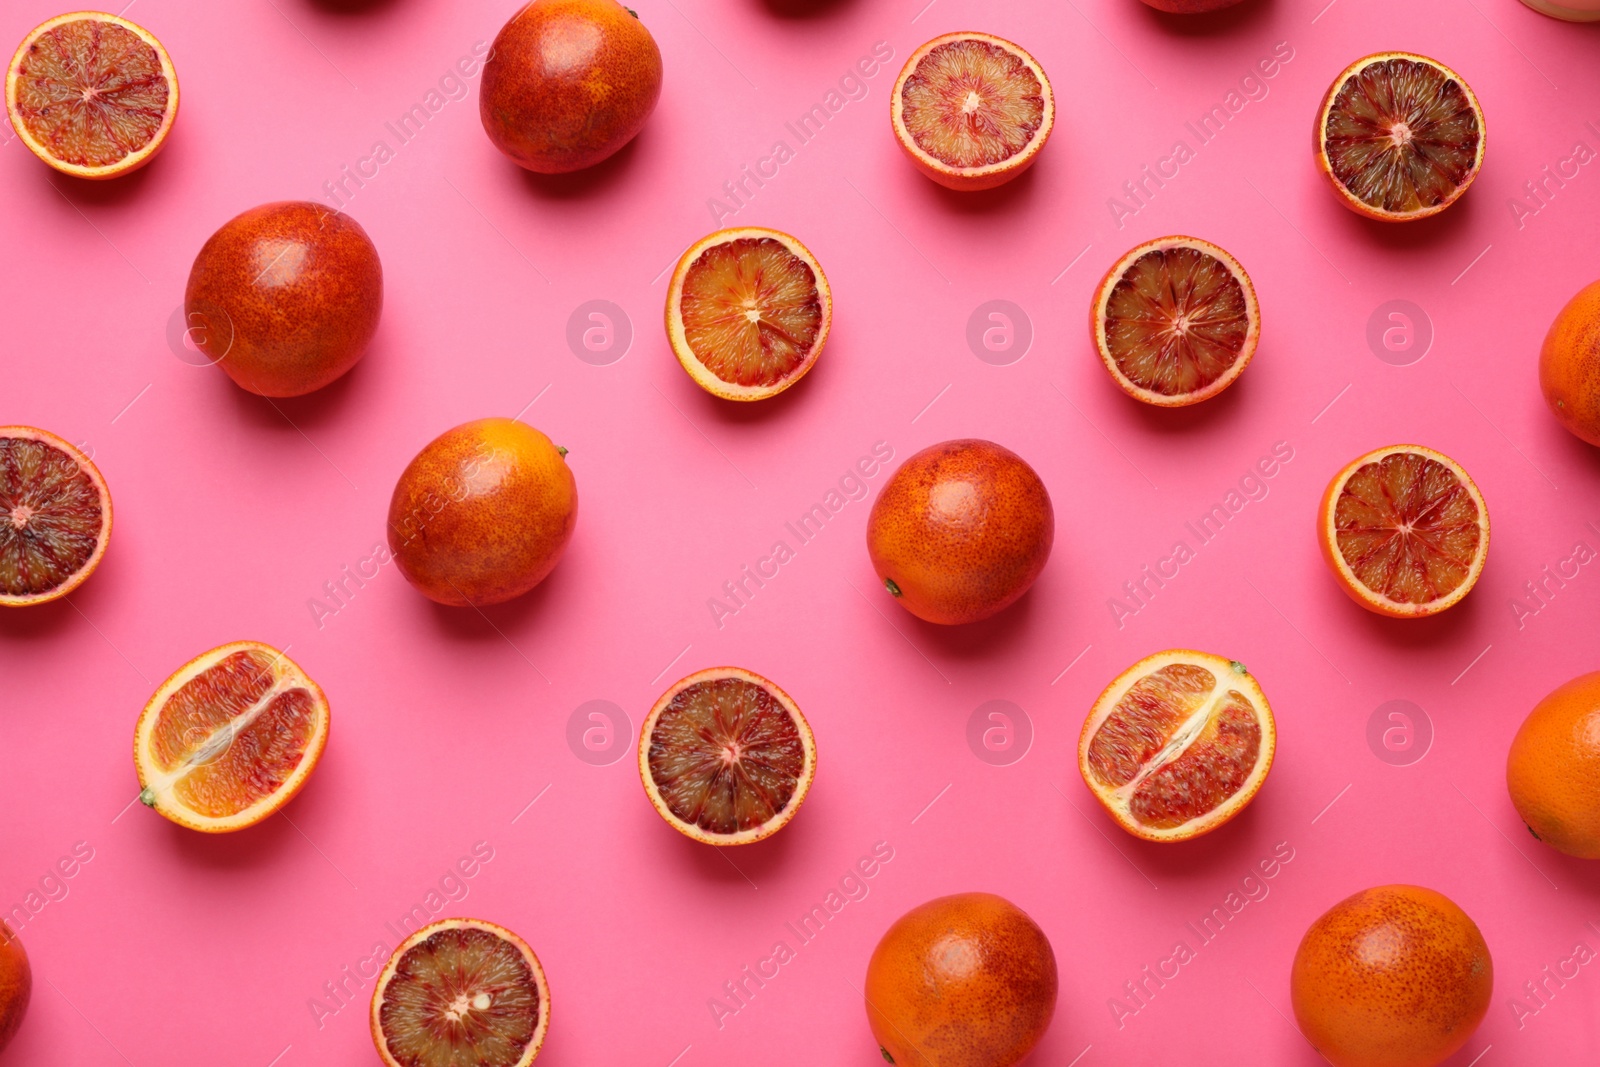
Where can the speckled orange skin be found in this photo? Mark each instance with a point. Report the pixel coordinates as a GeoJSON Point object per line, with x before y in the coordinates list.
{"type": "Point", "coordinates": [16, 984]}
{"type": "Point", "coordinates": [568, 83]}
{"type": "Point", "coordinates": [1569, 365]}
{"type": "Point", "coordinates": [285, 297]}
{"type": "Point", "coordinates": [962, 530]}
{"type": "Point", "coordinates": [1396, 976]}
{"type": "Point", "coordinates": [1190, 7]}
{"type": "Point", "coordinates": [483, 513]}
{"type": "Point", "coordinates": [1553, 769]}
{"type": "Point", "coordinates": [962, 981]}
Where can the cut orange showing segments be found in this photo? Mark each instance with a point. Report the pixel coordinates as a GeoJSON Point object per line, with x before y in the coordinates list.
{"type": "Point", "coordinates": [726, 757]}
{"type": "Point", "coordinates": [55, 517]}
{"type": "Point", "coordinates": [1400, 136]}
{"type": "Point", "coordinates": [230, 738]}
{"type": "Point", "coordinates": [1404, 530]}
{"type": "Point", "coordinates": [971, 110]}
{"type": "Point", "coordinates": [461, 993]}
{"type": "Point", "coordinates": [1175, 321]}
{"type": "Point", "coordinates": [1178, 744]}
{"type": "Point", "coordinates": [92, 94]}
{"type": "Point", "coordinates": [748, 312]}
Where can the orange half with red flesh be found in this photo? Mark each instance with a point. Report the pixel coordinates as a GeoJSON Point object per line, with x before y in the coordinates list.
{"type": "Point", "coordinates": [1404, 530]}
{"type": "Point", "coordinates": [230, 738]}
{"type": "Point", "coordinates": [92, 94]}
{"type": "Point", "coordinates": [972, 111]}
{"type": "Point", "coordinates": [748, 312]}
{"type": "Point", "coordinates": [55, 517]}
{"type": "Point", "coordinates": [726, 757]}
{"type": "Point", "coordinates": [461, 993]}
{"type": "Point", "coordinates": [1178, 745]}
{"type": "Point", "coordinates": [1175, 321]}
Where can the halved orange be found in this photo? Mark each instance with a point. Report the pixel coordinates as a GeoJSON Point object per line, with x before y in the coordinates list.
{"type": "Point", "coordinates": [92, 94]}
{"type": "Point", "coordinates": [748, 312]}
{"type": "Point", "coordinates": [1404, 530]}
{"type": "Point", "coordinates": [1175, 321]}
{"type": "Point", "coordinates": [1400, 136]}
{"type": "Point", "coordinates": [726, 757]}
{"type": "Point", "coordinates": [461, 993]}
{"type": "Point", "coordinates": [972, 110]}
{"type": "Point", "coordinates": [230, 738]}
{"type": "Point", "coordinates": [55, 517]}
{"type": "Point", "coordinates": [1178, 744]}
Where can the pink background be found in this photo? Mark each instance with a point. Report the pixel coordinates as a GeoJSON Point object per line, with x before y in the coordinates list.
{"type": "Point", "coordinates": [169, 947]}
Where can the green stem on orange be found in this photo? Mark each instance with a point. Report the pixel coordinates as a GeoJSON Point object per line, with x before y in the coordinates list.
{"type": "Point", "coordinates": [894, 591]}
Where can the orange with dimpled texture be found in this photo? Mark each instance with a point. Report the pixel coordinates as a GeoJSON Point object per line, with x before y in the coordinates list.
{"type": "Point", "coordinates": [961, 981]}
{"type": "Point", "coordinates": [285, 297]}
{"type": "Point", "coordinates": [1569, 365]}
{"type": "Point", "coordinates": [483, 513]}
{"type": "Point", "coordinates": [961, 531]}
{"type": "Point", "coordinates": [569, 83]}
{"type": "Point", "coordinates": [16, 984]}
{"type": "Point", "coordinates": [1396, 976]}
{"type": "Point", "coordinates": [1553, 769]}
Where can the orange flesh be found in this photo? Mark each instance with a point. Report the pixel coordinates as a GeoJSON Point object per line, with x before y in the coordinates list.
{"type": "Point", "coordinates": [1407, 527]}
{"type": "Point", "coordinates": [972, 104]}
{"type": "Point", "coordinates": [1176, 321]}
{"type": "Point", "coordinates": [1402, 136]}
{"type": "Point", "coordinates": [234, 738]}
{"type": "Point", "coordinates": [751, 311]}
{"type": "Point", "coordinates": [50, 517]}
{"type": "Point", "coordinates": [1210, 770]}
{"type": "Point", "coordinates": [726, 756]}
{"type": "Point", "coordinates": [463, 997]}
{"type": "Point", "coordinates": [92, 92]}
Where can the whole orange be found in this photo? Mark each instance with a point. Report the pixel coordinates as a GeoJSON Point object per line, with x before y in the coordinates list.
{"type": "Point", "coordinates": [483, 513]}
{"type": "Point", "coordinates": [960, 531]}
{"type": "Point", "coordinates": [285, 297]}
{"type": "Point", "coordinates": [961, 981]}
{"type": "Point", "coordinates": [1396, 976]}
{"type": "Point", "coordinates": [568, 83]}
{"type": "Point", "coordinates": [16, 984]}
{"type": "Point", "coordinates": [1553, 769]}
{"type": "Point", "coordinates": [1569, 365]}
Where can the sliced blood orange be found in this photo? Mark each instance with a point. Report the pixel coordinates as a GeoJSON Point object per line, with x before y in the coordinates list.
{"type": "Point", "coordinates": [92, 94]}
{"type": "Point", "coordinates": [230, 738]}
{"type": "Point", "coordinates": [1400, 136]}
{"type": "Point", "coordinates": [1175, 321]}
{"type": "Point", "coordinates": [1178, 744]}
{"type": "Point", "coordinates": [461, 993]}
{"type": "Point", "coordinates": [55, 517]}
{"type": "Point", "coordinates": [748, 312]}
{"type": "Point", "coordinates": [1404, 530]}
{"type": "Point", "coordinates": [972, 111]}
{"type": "Point", "coordinates": [726, 757]}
